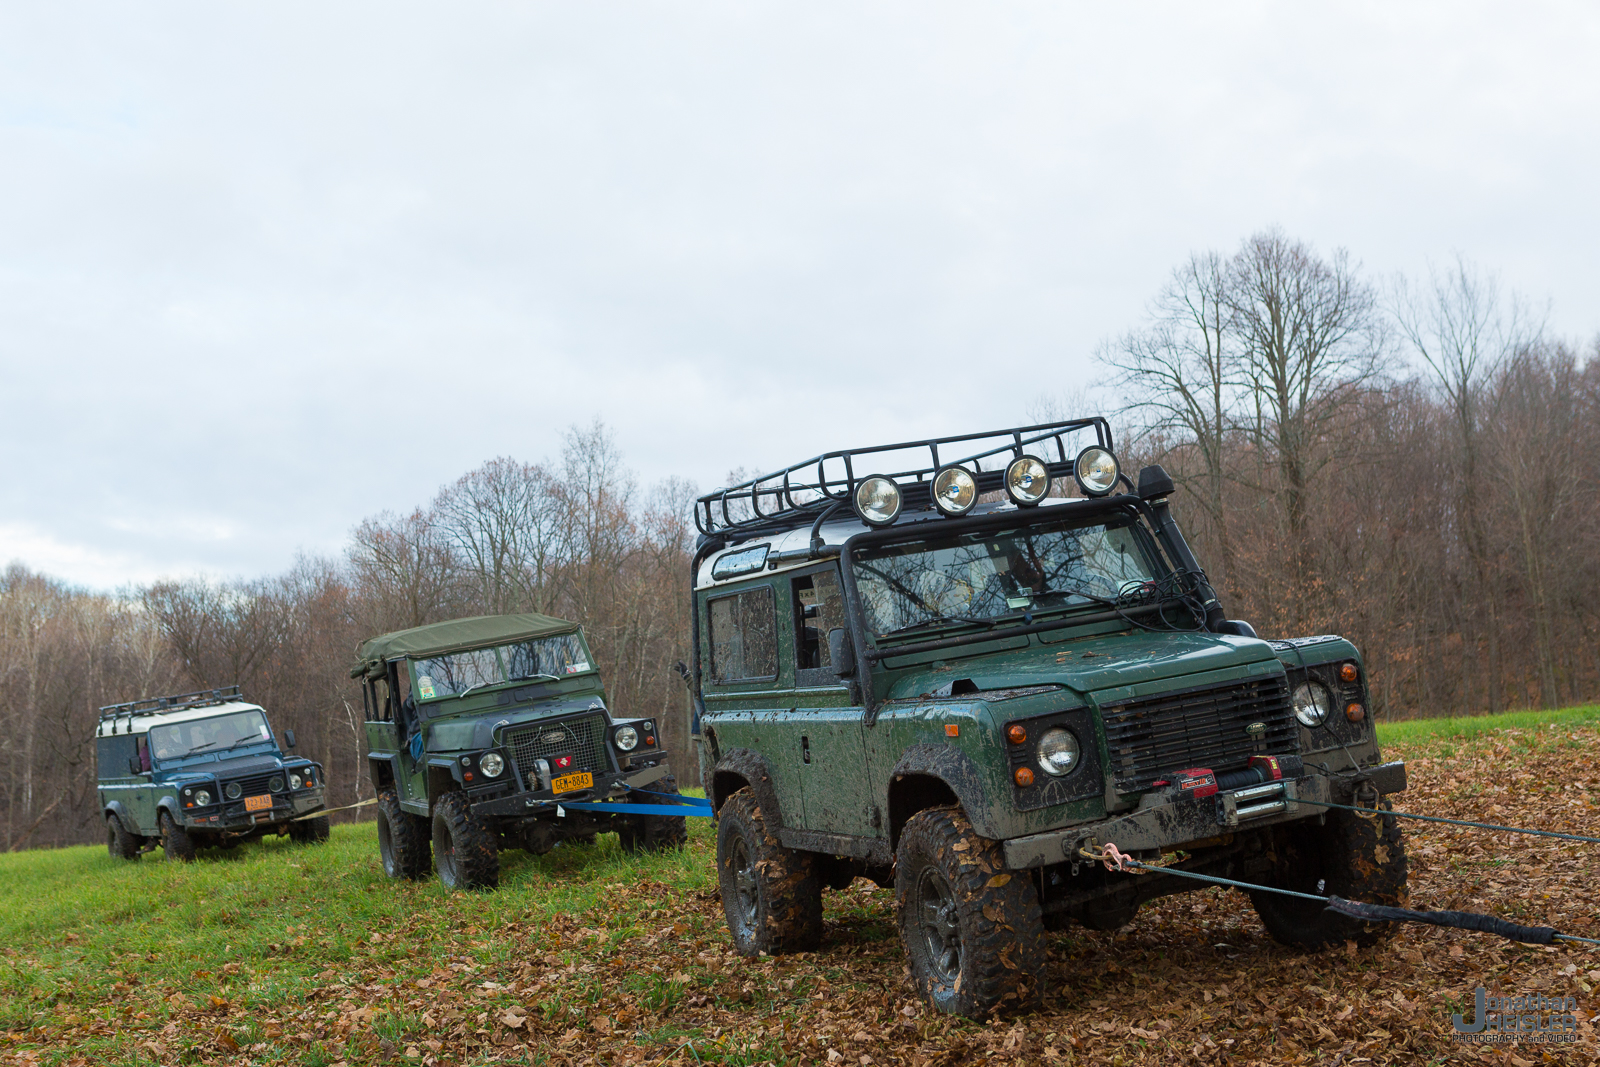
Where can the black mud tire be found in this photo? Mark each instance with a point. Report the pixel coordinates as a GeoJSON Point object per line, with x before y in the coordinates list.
{"type": "Point", "coordinates": [121, 844]}
{"type": "Point", "coordinates": [175, 840]}
{"type": "Point", "coordinates": [971, 928]}
{"type": "Point", "coordinates": [466, 850]}
{"type": "Point", "coordinates": [771, 895]}
{"type": "Point", "coordinates": [1358, 857]}
{"type": "Point", "coordinates": [310, 831]}
{"type": "Point", "coordinates": [402, 839]}
{"type": "Point", "coordinates": [654, 833]}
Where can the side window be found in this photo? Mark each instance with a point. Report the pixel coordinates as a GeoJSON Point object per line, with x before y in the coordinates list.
{"type": "Point", "coordinates": [818, 608]}
{"type": "Point", "coordinates": [744, 645]}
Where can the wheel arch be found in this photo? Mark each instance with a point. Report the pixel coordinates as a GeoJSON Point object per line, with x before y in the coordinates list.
{"type": "Point", "coordinates": [740, 768]}
{"type": "Point", "coordinates": [929, 776]}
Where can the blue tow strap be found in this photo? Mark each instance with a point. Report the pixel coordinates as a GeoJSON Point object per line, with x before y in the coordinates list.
{"type": "Point", "coordinates": [698, 808]}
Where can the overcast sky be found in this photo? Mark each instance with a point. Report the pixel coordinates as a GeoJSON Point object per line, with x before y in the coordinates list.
{"type": "Point", "coordinates": [268, 269]}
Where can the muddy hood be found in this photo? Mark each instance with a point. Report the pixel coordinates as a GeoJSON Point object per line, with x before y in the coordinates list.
{"type": "Point", "coordinates": [1089, 664]}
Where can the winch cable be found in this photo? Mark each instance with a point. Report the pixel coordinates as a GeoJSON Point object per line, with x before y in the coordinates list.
{"type": "Point", "coordinates": [1453, 822]}
{"type": "Point", "coordinates": [1115, 859]}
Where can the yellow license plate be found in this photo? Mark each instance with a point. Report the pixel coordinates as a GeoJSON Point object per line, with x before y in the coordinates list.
{"type": "Point", "coordinates": [581, 780]}
{"type": "Point", "coordinates": [261, 803]}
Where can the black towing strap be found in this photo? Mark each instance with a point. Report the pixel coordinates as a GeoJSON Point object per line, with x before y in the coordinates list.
{"type": "Point", "coordinates": [1460, 920]}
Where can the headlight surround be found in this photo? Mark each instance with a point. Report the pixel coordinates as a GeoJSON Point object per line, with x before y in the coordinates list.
{"type": "Point", "coordinates": [1096, 471]}
{"type": "Point", "coordinates": [201, 798]}
{"type": "Point", "coordinates": [626, 738]}
{"type": "Point", "coordinates": [1059, 751]}
{"type": "Point", "coordinates": [955, 491]}
{"type": "Point", "coordinates": [233, 790]}
{"type": "Point", "coordinates": [877, 500]}
{"type": "Point", "coordinates": [295, 781]}
{"type": "Point", "coordinates": [1312, 704]}
{"type": "Point", "coordinates": [491, 764]}
{"type": "Point", "coordinates": [1027, 480]}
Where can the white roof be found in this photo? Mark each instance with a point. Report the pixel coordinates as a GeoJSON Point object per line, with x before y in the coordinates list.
{"type": "Point", "coordinates": [144, 720]}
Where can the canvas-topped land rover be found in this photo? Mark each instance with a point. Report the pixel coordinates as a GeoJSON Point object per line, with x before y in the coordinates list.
{"type": "Point", "coordinates": [922, 664]}
{"type": "Point", "coordinates": [481, 732]}
{"type": "Point", "coordinates": [199, 770]}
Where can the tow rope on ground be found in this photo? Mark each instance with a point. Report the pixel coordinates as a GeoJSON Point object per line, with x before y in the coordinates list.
{"type": "Point", "coordinates": [1453, 822]}
{"type": "Point", "coordinates": [324, 811]}
{"type": "Point", "coordinates": [1114, 859]}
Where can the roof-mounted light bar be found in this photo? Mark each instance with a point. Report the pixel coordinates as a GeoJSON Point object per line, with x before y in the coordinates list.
{"type": "Point", "coordinates": [177, 702]}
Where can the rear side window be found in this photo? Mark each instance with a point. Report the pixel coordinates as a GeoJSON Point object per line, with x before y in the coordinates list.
{"type": "Point", "coordinates": [744, 645]}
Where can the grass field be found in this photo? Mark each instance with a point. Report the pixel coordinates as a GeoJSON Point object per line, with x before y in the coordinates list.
{"type": "Point", "coordinates": [307, 955]}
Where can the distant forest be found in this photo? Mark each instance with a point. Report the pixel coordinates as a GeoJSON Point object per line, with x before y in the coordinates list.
{"type": "Point", "coordinates": [1411, 463]}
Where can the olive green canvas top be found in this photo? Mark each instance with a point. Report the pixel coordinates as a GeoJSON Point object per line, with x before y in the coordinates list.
{"type": "Point", "coordinates": [479, 631]}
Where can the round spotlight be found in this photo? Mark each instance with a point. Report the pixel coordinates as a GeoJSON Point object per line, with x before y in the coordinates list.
{"type": "Point", "coordinates": [233, 791]}
{"type": "Point", "coordinates": [1096, 471]}
{"type": "Point", "coordinates": [877, 500]}
{"type": "Point", "coordinates": [955, 490]}
{"type": "Point", "coordinates": [1027, 481]}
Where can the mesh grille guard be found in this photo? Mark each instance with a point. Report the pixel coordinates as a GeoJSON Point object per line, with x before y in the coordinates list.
{"type": "Point", "coordinates": [584, 739]}
{"type": "Point", "coordinates": [1151, 737]}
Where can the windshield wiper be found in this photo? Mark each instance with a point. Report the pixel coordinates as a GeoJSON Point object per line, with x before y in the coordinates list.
{"type": "Point", "coordinates": [989, 623]}
{"type": "Point", "coordinates": [531, 677]}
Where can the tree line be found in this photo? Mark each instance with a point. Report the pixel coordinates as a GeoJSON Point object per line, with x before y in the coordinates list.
{"type": "Point", "coordinates": [1410, 463]}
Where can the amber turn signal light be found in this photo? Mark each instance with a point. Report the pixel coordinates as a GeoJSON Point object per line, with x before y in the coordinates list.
{"type": "Point", "coordinates": [1355, 713]}
{"type": "Point", "coordinates": [1348, 673]}
{"type": "Point", "coordinates": [952, 729]}
{"type": "Point", "coordinates": [1023, 777]}
{"type": "Point", "coordinates": [1016, 733]}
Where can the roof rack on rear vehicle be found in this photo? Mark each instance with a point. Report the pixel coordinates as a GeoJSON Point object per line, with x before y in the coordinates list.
{"type": "Point", "coordinates": [176, 702]}
{"type": "Point", "coordinates": [796, 495]}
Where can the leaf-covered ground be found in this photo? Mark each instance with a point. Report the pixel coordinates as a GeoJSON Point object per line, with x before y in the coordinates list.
{"type": "Point", "coordinates": [280, 954]}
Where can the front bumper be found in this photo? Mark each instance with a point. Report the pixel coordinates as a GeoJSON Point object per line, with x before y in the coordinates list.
{"type": "Point", "coordinates": [1162, 823]}
{"type": "Point", "coordinates": [532, 802]}
{"type": "Point", "coordinates": [233, 818]}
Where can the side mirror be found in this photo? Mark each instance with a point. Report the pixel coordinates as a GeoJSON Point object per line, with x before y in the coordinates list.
{"type": "Point", "coordinates": [288, 738]}
{"type": "Point", "coordinates": [841, 652]}
{"type": "Point", "coordinates": [133, 765]}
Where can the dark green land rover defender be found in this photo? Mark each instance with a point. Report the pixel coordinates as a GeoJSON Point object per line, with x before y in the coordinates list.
{"type": "Point", "coordinates": [919, 664]}
{"type": "Point", "coordinates": [481, 731]}
{"type": "Point", "coordinates": [201, 769]}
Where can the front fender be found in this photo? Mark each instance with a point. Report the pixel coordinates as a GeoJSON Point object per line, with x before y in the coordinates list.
{"type": "Point", "coordinates": [752, 767]}
{"type": "Point", "coordinates": [125, 817]}
{"type": "Point", "coordinates": [911, 787]}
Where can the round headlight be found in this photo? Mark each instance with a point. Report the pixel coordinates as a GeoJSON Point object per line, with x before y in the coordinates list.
{"type": "Point", "coordinates": [233, 790]}
{"type": "Point", "coordinates": [1059, 752]}
{"type": "Point", "coordinates": [1096, 471]}
{"type": "Point", "coordinates": [276, 785]}
{"type": "Point", "coordinates": [1027, 480]}
{"type": "Point", "coordinates": [954, 491]}
{"type": "Point", "coordinates": [627, 738]}
{"type": "Point", "coordinates": [877, 500]}
{"type": "Point", "coordinates": [201, 797]}
{"type": "Point", "coordinates": [492, 764]}
{"type": "Point", "coordinates": [1312, 704]}
{"type": "Point", "coordinates": [294, 781]}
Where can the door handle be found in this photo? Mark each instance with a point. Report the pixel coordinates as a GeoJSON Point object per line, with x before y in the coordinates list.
{"type": "Point", "coordinates": [805, 749]}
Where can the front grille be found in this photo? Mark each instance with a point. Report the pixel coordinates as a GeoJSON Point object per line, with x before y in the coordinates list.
{"type": "Point", "coordinates": [583, 739]}
{"type": "Point", "coordinates": [255, 786]}
{"type": "Point", "coordinates": [1151, 737]}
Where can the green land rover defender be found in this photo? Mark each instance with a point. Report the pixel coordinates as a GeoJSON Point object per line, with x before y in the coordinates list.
{"type": "Point", "coordinates": [482, 731]}
{"type": "Point", "coordinates": [199, 770]}
{"type": "Point", "coordinates": [918, 664]}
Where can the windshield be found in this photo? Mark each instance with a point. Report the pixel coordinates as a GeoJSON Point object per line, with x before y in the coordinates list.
{"type": "Point", "coordinates": [984, 575]}
{"type": "Point", "coordinates": [218, 734]}
{"type": "Point", "coordinates": [458, 672]}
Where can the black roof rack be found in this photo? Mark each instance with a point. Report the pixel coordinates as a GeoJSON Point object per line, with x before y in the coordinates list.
{"type": "Point", "coordinates": [796, 495]}
{"type": "Point", "coordinates": [176, 702]}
